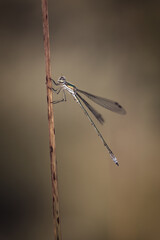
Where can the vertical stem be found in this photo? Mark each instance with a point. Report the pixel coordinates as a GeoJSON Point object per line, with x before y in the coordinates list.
{"type": "Point", "coordinates": [53, 163]}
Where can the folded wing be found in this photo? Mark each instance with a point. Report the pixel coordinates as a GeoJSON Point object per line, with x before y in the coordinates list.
{"type": "Point", "coordinates": [104, 102]}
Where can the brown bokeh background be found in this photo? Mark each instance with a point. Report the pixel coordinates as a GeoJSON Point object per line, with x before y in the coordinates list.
{"type": "Point", "coordinates": [109, 48]}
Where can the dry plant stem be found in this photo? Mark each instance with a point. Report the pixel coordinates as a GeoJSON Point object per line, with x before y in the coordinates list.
{"type": "Point", "coordinates": [56, 218]}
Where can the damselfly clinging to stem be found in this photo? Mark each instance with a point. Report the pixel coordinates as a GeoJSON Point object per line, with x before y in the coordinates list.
{"type": "Point", "coordinates": [62, 84]}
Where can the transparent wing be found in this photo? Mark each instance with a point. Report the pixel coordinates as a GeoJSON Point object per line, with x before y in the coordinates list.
{"type": "Point", "coordinates": [97, 115]}
{"type": "Point", "coordinates": [106, 103]}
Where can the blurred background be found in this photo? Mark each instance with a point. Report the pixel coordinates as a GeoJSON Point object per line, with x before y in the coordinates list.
{"type": "Point", "coordinates": [111, 49]}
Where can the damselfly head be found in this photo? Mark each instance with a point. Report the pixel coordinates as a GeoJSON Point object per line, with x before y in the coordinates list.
{"type": "Point", "coordinates": [62, 79]}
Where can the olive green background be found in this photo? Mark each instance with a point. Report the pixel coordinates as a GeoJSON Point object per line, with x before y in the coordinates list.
{"type": "Point", "coordinates": [111, 49]}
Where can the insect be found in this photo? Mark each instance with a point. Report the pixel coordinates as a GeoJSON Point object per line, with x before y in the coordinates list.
{"type": "Point", "coordinates": [63, 85]}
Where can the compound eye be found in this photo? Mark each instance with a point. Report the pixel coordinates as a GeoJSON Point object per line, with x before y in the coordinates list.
{"type": "Point", "coordinates": [62, 79]}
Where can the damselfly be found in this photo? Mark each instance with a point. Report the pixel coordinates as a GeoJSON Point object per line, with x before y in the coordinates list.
{"type": "Point", "coordinates": [63, 85]}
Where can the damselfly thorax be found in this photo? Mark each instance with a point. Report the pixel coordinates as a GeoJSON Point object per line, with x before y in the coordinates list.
{"type": "Point", "coordinates": [70, 88]}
